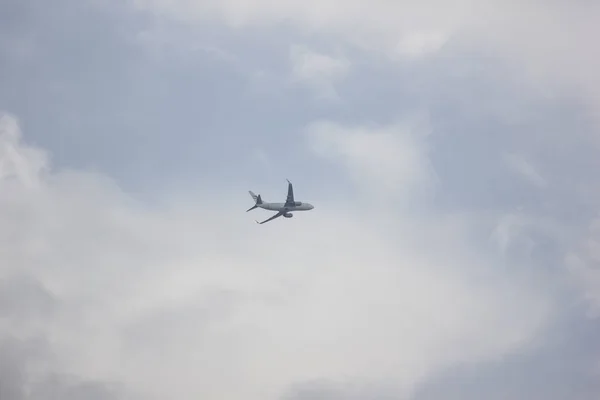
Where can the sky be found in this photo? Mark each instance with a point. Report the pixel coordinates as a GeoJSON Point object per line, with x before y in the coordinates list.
{"type": "Point", "coordinates": [450, 149]}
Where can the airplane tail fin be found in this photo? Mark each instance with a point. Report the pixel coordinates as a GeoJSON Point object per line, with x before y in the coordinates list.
{"type": "Point", "coordinates": [256, 198]}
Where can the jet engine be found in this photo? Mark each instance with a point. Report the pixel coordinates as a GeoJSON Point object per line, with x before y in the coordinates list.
{"type": "Point", "coordinates": [297, 203]}
{"type": "Point", "coordinates": [288, 215]}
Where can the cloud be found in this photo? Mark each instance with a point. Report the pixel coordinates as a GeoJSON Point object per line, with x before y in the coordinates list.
{"type": "Point", "coordinates": [28, 363]}
{"type": "Point", "coordinates": [425, 257]}
{"type": "Point", "coordinates": [388, 162]}
{"type": "Point", "coordinates": [363, 23]}
{"type": "Point", "coordinates": [545, 41]}
{"type": "Point", "coordinates": [522, 167]}
{"type": "Point", "coordinates": [417, 44]}
{"type": "Point", "coordinates": [24, 164]}
{"type": "Point", "coordinates": [532, 373]}
{"type": "Point", "coordinates": [318, 70]}
{"type": "Point", "coordinates": [184, 300]}
{"type": "Point", "coordinates": [583, 261]}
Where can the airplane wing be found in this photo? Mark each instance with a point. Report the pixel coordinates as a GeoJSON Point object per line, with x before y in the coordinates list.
{"type": "Point", "coordinates": [290, 195]}
{"type": "Point", "coordinates": [279, 214]}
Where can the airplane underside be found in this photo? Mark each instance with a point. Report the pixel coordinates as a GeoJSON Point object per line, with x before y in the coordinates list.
{"type": "Point", "coordinates": [285, 209]}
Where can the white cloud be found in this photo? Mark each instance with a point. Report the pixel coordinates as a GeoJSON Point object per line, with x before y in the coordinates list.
{"type": "Point", "coordinates": [379, 19]}
{"type": "Point", "coordinates": [320, 71]}
{"type": "Point", "coordinates": [196, 301]}
{"type": "Point", "coordinates": [583, 262]}
{"type": "Point", "coordinates": [308, 64]}
{"type": "Point", "coordinates": [547, 41]}
{"type": "Point", "coordinates": [525, 169]}
{"type": "Point", "coordinates": [417, 44]}
{"type": "Point", "coordinates": [390, 161]}
{"type": "Point", "coordinates": [24, 164]}
{"type": "Point", "coordinates": [187, 299]}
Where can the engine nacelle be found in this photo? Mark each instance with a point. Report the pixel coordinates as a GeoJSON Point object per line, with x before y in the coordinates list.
{"type": "Point", "coordinates": [288, 215]}
{"type": "Point", "coordinates": [297, 203]}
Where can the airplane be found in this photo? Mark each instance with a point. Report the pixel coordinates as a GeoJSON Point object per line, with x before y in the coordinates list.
{"type": "Point", "coordinates": [284, 209]}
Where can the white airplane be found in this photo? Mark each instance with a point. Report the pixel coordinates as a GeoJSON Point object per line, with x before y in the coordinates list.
{"type": "Point", "coordinates": [284, 209]}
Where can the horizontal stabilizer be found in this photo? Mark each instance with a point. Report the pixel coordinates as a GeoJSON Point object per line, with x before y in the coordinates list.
{"type": "Point", "coordinates": [256, 198]}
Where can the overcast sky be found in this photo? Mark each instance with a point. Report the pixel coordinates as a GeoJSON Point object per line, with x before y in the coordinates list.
{"type": "Point", "coordinates": [450, 149]}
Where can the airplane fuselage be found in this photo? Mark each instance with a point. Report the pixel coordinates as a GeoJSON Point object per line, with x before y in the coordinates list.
{"type": "Point", "coordinates": [282, 207]}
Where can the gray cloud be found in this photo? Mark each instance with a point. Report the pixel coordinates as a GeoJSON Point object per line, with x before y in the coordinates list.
{"type": "Point", "coordinates": [174, 294]}
{"type": "Point", "coordinates": [23, 376]}
{"type": "Point", "coordinates": [27, 364]}
{"type": "Point", "coordinates": [178, 300]}
{"type": "Point", "coordinates": [563, 366]}
{"type": "Point", "coordinates": [23, 297]}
